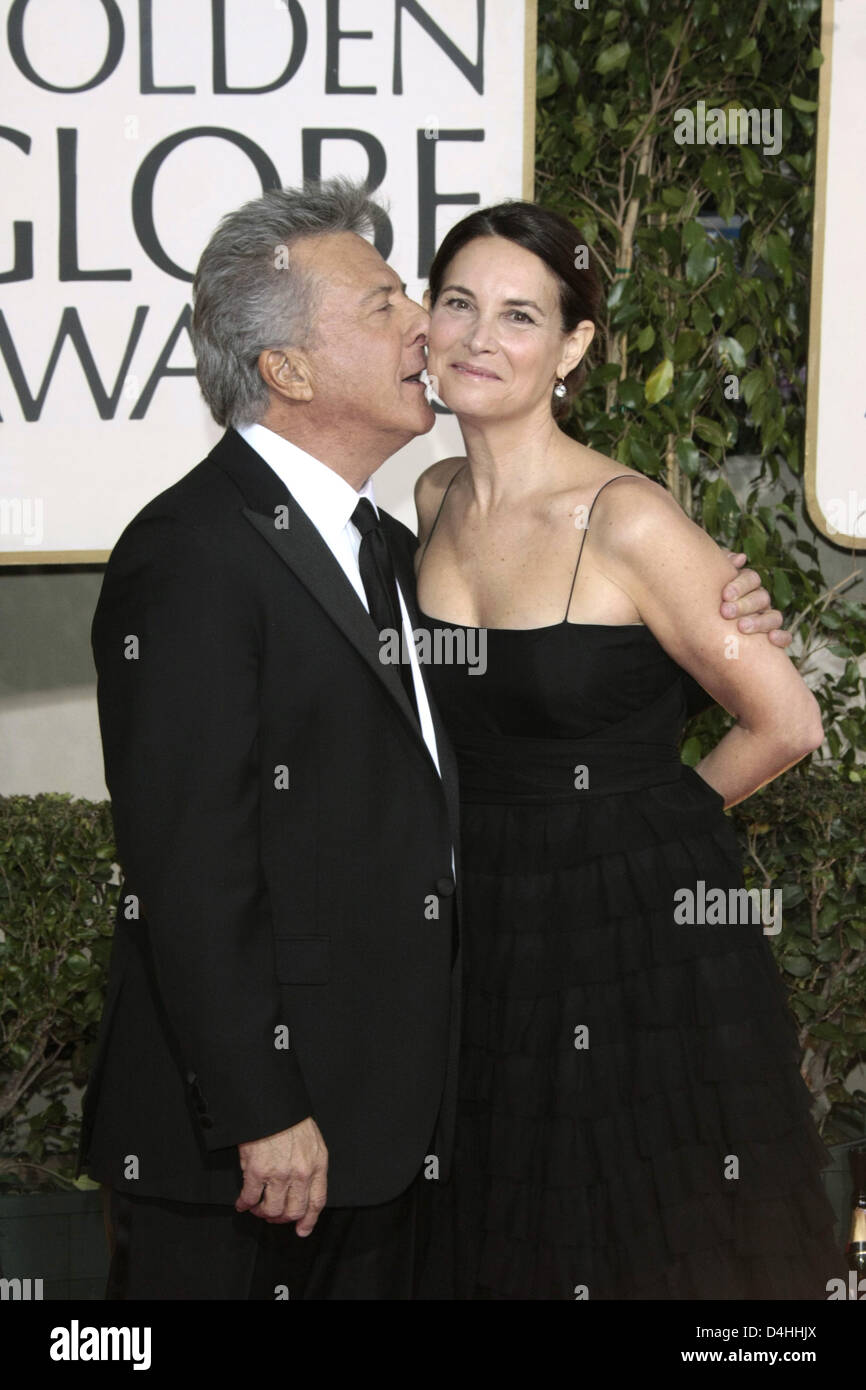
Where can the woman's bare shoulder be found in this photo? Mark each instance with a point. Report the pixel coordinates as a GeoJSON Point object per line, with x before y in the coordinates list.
{"type": "Point", "coordinates": [640, 521]}
{"type": "Point", "coordinates": [430, 488]}
{"type": "Point", "coordinates": [593, 472]}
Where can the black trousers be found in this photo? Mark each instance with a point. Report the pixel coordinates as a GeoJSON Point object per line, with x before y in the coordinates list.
{"type": "Point", "coordinates": [166, 1249]}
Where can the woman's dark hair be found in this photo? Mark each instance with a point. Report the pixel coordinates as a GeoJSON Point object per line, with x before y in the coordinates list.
{"type": "Point", "coordinates": [558, 243]}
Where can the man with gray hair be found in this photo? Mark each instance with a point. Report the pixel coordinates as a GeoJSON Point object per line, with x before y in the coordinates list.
{"type": "Point", "coordinates": [280, 1028]}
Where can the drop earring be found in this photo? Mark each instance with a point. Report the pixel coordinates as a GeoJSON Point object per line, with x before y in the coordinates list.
{"type": "Point", "coordinates": [560, 389]}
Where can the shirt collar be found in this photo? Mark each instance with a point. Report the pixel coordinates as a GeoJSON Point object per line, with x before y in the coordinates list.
{"type": "Point", "coordinates": [327, 499]}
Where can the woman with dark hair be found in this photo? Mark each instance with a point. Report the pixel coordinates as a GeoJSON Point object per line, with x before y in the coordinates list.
{"type": "Point", "coordinates": [632, 1123]}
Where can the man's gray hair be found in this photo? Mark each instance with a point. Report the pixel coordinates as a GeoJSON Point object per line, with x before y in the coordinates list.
{"type": "Point", "coordinates": [249, 295]}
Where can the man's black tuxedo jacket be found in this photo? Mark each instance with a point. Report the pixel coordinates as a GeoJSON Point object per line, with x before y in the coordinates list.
{"type": "Point", "coordinates": [286, 841]}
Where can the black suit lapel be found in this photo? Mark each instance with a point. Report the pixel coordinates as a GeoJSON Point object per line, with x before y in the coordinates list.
{"type": "Point", "coordinates": [287, 529]}
{"type": "Point", "coordinates": [307, 555]}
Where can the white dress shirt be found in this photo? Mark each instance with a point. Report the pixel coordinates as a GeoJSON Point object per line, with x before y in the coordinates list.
{"type": "Point", "coordinates": [329, 501]}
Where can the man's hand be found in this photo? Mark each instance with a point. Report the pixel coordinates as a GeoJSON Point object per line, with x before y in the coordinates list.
{"type": "Point", "coordinates": [286, 1176]}
{"type": "Point", "coordinates": [745, 598]}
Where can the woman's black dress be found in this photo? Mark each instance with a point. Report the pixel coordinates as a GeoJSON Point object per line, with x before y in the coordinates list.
{"type": "Point", "coordinates": [632, 1120]}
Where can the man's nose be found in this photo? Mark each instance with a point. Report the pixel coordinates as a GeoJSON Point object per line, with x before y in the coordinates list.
{"type": "Point", "coordinates": [418, 324]}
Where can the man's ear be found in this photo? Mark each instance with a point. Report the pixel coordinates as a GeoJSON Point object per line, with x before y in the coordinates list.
{"type": "Point", "coordinates": [575, 346]}
{"type": "Point", "coordinates": [287, 372]}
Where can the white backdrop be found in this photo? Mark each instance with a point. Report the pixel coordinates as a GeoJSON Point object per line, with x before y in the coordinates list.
{"type": "Point", "coordinates": [105, 220]}
{"type": "Point", "coordinates": [836, 434]}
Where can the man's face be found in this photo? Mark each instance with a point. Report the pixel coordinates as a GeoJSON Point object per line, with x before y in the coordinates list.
{"type": "Point", "coordinates": [367, 344]}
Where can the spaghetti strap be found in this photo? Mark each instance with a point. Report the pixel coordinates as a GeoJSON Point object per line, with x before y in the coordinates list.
{"type": "Point", "coordinates": [437, 516]}
{"type": "Point", "coordinates": [614, 479]}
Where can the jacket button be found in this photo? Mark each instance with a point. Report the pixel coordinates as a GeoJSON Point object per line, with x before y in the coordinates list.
{"type": "Point", "coordinates": [445, 887]}
{"type": "Point", "coordinates": [205, 1121]}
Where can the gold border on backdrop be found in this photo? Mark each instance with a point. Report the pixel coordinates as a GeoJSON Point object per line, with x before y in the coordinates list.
{"type": "Point", "coordinates": [530, 58]}
{"type": "Point", "coordinates": [34, 558]}
{"type": "Point", "coordinates": [530, 42]}
{"type": "Point", "coordinates": [8, 558]}
{"type": "Point", "coordinates": [819, 226]}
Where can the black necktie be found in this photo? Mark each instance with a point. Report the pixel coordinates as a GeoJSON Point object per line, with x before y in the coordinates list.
{"type": "Point", "coordinates": [380, 585]}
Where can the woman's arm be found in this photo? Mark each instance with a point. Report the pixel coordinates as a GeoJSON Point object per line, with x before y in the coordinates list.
{"type": "Point", "coordinates": [673, 571]}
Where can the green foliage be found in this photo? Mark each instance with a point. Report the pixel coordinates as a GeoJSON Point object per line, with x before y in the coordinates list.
{"type": "Point", "coordinates": [57, 899]}
{"type": "Point", "coordinates": [701, 354]}
{"type": "Point", "coordinates": [611, 81]}
{"type": "Point", "coordinates": [804, 834]}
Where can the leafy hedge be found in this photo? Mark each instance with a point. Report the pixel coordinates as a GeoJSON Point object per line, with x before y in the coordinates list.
{"type": "Point", "coordinates": [804, 834]}
{"type": "Point", "coordinates": [57, 900]}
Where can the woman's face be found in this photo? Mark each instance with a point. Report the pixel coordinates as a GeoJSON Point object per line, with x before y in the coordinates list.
{"type": "Point", "coordinates": [495, 344]}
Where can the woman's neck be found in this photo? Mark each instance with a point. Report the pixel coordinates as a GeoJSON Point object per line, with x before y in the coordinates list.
{"type": "Point", "coordinates": [512, 459]}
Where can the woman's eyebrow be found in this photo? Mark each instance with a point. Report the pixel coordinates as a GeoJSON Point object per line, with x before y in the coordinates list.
{"type": "Point", "coordinates": [531, 302]}
{"type": "Point", "coordinates": [461, 289]}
